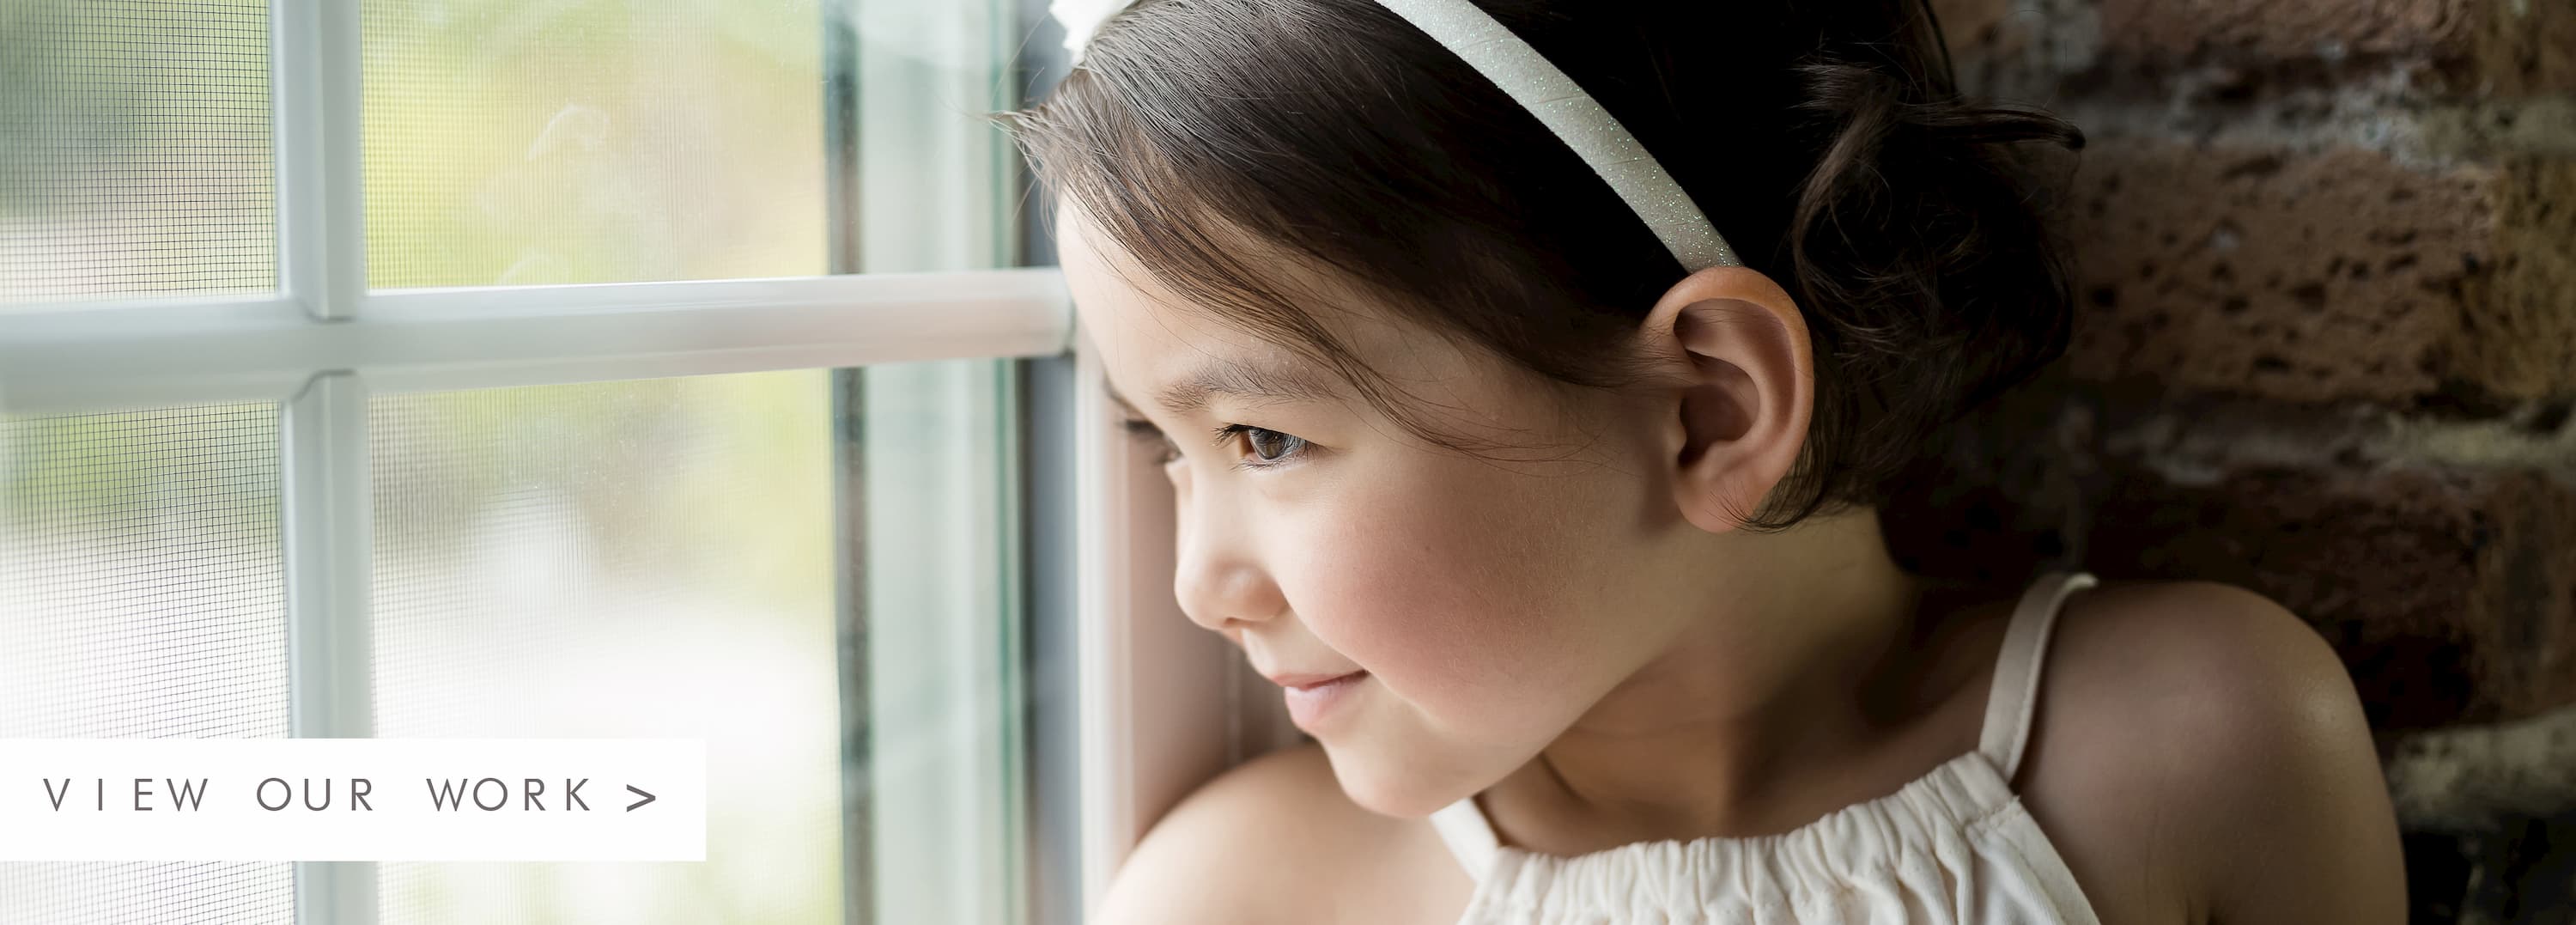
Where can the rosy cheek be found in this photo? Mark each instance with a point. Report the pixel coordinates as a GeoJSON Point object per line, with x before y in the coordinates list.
{"type": "Point", "coordinates": [1443, 608]}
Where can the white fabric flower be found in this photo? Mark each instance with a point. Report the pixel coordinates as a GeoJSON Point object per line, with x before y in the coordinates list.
{"type": "Point", "coordinates": [1082, 19]}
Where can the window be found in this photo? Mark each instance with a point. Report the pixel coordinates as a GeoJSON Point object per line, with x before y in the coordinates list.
{"type": "Point", "coordinates": [585, 369]}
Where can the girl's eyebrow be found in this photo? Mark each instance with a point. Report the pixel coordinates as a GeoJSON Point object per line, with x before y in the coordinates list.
{"type": "Point", "coordinates": [1257, 382]}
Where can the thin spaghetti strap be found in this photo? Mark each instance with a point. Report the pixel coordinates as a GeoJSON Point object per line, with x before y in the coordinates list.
{"type": "Point", "coordinates": [1469, 836]}
{"type": "Point", "coordinates": [2014, 697]}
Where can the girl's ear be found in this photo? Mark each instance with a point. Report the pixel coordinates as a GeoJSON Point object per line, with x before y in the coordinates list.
{"type": "Point", "coordinates": [1735, 376]}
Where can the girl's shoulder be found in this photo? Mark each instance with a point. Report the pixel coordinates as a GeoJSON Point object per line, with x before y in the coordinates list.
{"type": "Point", "coordinates": [2199, 752]}
{"type": "Point", "coordinates": [1276, 839]}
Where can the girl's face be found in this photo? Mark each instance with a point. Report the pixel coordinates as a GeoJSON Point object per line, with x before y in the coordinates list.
{"type": "Point", "coordinates": [1473, 606]}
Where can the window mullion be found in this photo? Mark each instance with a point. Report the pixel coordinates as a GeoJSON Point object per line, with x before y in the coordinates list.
{"type": "Point", "coordinates": [329, 532]}
{"type": "Point", "coordinates": [315, 60]}
{"type": "Point", "coordinates": [321, 219]}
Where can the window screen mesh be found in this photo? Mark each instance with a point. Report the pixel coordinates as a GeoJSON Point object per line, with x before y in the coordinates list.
{"type": "Point", "coordinates": [134, 148]}
{"type": "Point", "coordinates": [640, 559]}
{"type": "Point", "coordinates": [142, 595]}
{"type": "Point", "coordinates": [592, 141]}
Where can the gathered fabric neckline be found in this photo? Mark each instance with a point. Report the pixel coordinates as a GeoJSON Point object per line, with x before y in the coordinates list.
{"type": "Point", "coordinates": [1954, 846]}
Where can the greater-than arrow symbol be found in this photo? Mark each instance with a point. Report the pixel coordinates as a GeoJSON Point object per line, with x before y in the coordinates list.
{"type": "Point", "coordinates": [647, 798]}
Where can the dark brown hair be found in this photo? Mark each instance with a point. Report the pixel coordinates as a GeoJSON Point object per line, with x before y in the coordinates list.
{"type": "Point", "coordinates": [1823, 139]}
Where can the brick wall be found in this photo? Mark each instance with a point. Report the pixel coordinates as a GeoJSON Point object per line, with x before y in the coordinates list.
{"type": "Point", "coordinates": [2326, 349]}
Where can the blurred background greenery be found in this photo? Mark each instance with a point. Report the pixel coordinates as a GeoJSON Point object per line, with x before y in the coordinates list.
{"type": "Point", "coordinates": [637, 558]}
{"type": "Point", "coordinates": [134, 149]}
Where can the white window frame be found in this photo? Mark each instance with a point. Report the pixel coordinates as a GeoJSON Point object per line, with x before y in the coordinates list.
{"type": "Point", "coordinates": [323, 343]}
{"type": "Point", "coordinates": [1165, 704]}
{"type": "Point", "coordinates": [1161, 705]}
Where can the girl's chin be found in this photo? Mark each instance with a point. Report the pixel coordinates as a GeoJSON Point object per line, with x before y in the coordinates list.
{"type": "Point", "coordinates": [1391, 783]}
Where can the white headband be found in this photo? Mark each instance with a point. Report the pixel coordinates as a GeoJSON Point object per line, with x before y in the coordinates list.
{"type": "Point", "coordinates": [1473, 35]}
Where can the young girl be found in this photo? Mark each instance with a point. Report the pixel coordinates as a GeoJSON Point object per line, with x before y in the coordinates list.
{"type": "Point", "coordinates": [1530, 374]}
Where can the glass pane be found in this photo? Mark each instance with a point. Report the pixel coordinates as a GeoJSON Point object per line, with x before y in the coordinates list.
{"type": "Point", "coordinates": [134, 148]}
{"type": "Point", "coordinates": [945, 770]}
{"type": "Point", "coordinates": [637, 559]}
{"type": "Point", "coordinates": [142, 595]}
{"type": "Point", "coordinates": [592, 141]}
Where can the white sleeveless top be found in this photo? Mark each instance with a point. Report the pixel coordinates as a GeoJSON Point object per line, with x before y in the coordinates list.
{"type": "Point", "coordinates": [1953, 847]}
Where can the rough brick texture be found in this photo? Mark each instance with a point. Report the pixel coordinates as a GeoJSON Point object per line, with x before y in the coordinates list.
{"type": "Point", "coordinates": [2441, 562]}
{"type": "Point", "coordinates": [2479, 47]}
{"type": "Point", "coordinates": [2498, 43]}
{"type": "Point", "coordinates": [2325, 348]}
{"type": "Point", "coordinates": [2520, 47]}
{"type": "Point", "coordinates": [2520, 316]}
{"type": "Point", "coordinates": [2439, 589]}
{"type": "Point", "coordinates": [2177, 28]}
{"type": "Point", "coordinates": [2321, 276]}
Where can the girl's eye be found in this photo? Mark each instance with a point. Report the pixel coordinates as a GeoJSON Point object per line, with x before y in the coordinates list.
{"type": "Point", "coordinates": [1258, 447]}
{"type": "Point", "coordinates": [1263, 446]}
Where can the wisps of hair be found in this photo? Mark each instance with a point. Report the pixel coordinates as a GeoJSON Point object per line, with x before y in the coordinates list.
{"type": "Point", "coordinates": [1208, 137]}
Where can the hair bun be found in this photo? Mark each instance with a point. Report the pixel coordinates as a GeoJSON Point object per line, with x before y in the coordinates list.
{"type": "Point", "coordinates": [1898, 311]}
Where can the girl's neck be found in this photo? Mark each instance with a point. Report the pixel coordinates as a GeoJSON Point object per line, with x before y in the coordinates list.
{"type": "Point", "coordinates": [1806, 693]}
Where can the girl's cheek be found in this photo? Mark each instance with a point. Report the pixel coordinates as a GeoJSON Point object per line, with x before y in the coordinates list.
{"type": "Point", "coordinates": [1441, 604]}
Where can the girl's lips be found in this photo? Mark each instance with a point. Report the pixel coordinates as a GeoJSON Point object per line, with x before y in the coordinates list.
{"type": "Point", "coordinates": [1308, 680]}
{"type": "Point", "coordinates": [1311, 699]}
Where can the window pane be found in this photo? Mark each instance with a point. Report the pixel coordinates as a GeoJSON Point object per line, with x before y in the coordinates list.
{"type": "Point", "coordinates": [638, 559]}
{"type": "Point", "coordinates": [142, 595]}
{"type": "Point", "coordinates": [941, 518]}
{"type": "Point", "coordinates": [592, 141]}
{"type": "Point", "coordinates": [134, 148]}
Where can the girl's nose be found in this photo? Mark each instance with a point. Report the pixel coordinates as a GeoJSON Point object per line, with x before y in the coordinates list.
{"type": "Point", "coordinates": [1218, 577]}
